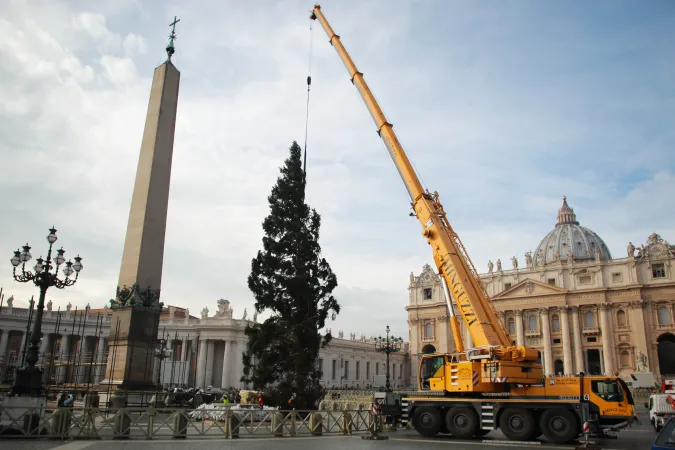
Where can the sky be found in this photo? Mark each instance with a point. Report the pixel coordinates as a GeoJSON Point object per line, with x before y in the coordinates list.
{"type": "Point", "coordinates": [503, 107]}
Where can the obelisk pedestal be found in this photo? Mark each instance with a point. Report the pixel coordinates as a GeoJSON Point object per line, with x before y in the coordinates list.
{"type": "Point", "coordinates": [136, 309]}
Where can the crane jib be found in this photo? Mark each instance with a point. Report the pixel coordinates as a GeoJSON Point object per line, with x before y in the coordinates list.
{"type": "Point", "coordinates": [459, 293]}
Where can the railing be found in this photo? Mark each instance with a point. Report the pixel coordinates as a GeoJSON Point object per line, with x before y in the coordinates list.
{"type": "Point", "coordinates": [212, 421]}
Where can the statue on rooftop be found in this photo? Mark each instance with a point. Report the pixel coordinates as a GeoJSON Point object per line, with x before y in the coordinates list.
{"type": "Point", "coordinates": [631, 250]}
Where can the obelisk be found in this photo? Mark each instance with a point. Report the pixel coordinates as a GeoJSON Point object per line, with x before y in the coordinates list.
{"type": "Point", "coordinates": [136, 308]}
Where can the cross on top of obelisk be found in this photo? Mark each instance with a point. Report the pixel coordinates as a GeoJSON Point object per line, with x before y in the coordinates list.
{"type": "Point", "coordinates": [170, 49]}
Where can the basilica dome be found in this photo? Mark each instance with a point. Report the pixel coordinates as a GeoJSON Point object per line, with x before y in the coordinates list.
{"type": "Point", "coordinates": [568, 236]}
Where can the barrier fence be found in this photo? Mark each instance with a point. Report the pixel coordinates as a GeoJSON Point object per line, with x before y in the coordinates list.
{"type": "Point", "coordinates": [216, 422]}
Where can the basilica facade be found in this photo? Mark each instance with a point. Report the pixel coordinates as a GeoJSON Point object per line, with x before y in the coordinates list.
{"type": "Point", "coordinates": [581, 308]}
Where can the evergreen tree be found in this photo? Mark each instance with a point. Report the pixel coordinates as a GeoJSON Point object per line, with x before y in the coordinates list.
{"type": "Point", "coordinates": [291, 280]}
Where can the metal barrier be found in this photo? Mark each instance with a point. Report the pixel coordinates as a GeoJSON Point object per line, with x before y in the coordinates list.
{"type": "Point", "coordinates": [165, 423]}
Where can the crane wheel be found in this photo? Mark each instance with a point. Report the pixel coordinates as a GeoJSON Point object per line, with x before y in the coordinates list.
{"type": "Point", "coordinates": [427, 421]}
{"type": "Point", "coordinates": [560, 426]}
{"type": "Point", "coordinates": [517, 424]}
{"type": "Point", "coordinates": [462, 421]}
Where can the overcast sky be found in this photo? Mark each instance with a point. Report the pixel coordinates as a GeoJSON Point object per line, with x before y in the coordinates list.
{"type": "Point", "coordinates": [504, 107]}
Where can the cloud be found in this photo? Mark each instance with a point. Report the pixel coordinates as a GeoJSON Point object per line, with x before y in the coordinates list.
{"type": "Point", "coordinates": [502, 110]}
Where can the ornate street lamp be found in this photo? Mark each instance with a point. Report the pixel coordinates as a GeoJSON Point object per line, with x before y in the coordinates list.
{"type": "Point", "coordinates": [44, 275]}
{"type": "Point", "coordinates": [388, 345]}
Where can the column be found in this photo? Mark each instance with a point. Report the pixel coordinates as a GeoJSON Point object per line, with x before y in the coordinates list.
{"type": "Point", "coordinates": [227, 358]}
{"type": "Point", "coordinates": [62, 357]}
{"type": "Point", "coordinates": [576, 335]}
{"type": "Point", "coordinates": [4, 342]}
{"type": "Point", "coordinates": [520, 332]}
{"type": "Point", "coordinates": [606, 332]}
{"type": "Point", "coordinates": [184, 344]}
{"type": "Point", "coordinates": [637, 325]}
{"type": "Point", "coordinates": [44, 345]}
{"type": "Point", "coordinates": [546, 336]}
{"type": "Point", "coordinates": [201, 364]}
{"type": "Point", "coordinates": [239, 363]}
{"type": "Point", "coordinates": [4, 357]}
{"type": "Point", "coordinates": [208, 379]}
{"type": "Point", "coordinates": [100, 360]}
{"type": "Point", "coordinates": [567, 345]}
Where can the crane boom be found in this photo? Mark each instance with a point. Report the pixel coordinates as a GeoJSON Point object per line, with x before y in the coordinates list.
{"type": "Point", "coordinates": [458, 273]}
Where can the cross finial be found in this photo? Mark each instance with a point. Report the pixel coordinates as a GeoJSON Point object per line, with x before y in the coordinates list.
{"type": "Point", "coordinates": [170, 49]}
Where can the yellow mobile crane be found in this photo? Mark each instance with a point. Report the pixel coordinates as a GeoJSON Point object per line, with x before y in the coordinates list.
{"type": "Point", "coordinates": [495, 384]}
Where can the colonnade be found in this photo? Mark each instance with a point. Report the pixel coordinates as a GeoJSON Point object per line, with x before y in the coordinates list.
{"type": "Point", "coordinates": [219, 371]}
{"type": "Point", "coordinates": [571, 335]}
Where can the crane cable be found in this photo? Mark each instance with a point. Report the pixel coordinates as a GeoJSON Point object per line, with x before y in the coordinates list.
{"type": "Point", "coordinates": [309, 84]}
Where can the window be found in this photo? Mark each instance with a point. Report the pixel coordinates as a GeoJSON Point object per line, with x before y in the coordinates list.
{"type": "Point", "coordinates": [367, 370]}
{"type": "Point", "coordinates": [664, 316]}
{"type": "Point", "coordinates": [377, 368]}
{"type": "Point", "coordinates": [551, 281]}
{"type": "Point", "coordinates": [427, 293]}
{"type": "Point", "coordinates": [555, 322]}
{"type": "Point", "coordinates": [346, 377]}
{"type": "Point", "coordinates": [358, 370]}
{"type": "Point", "coordinates": [393, 370]}
{"type": "Point", "coordinates": [428, 331]}
{"type": "Point", "coordinates": [556, 341]}
{"type": "Point", "coordinates": [617, 277]}
{"type": "Point", "coordinates": [429, 368]}
{"type": "Point", "coordinates": [589, 319]}
{"type": "Point", "coordinates": [591, 340]}
{"type": "Point", "coordinates": [400, 372]}
{"type": "Point", "coordinates": [585, 279]}
{"type": "Point", "coordinates": [511, 325]}
{"type": "Point", "coordinates": [608, 390]}
{"type": "Point", "coordinates": [625, 358]}
{"type": "Point", "coordinates": [658, 270]}
{"type": "Point", "coordinates": [334, 371]}
{"type": "Point", "coordinates": [621, 318]}
{"type": "Point", "coordinates": [321, 364]}
{"type": "Point", "coordinates": [532, 323]}
{"type": "Point", "coordinates": [507, 286]}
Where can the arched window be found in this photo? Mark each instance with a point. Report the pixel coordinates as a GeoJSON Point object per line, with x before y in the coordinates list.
{"type": "Point", "coordinates": [428, 331]}
{"type": "Point", "coordinates": [558, 367]}
{"type": "Point", "coordinates": [621, 318]}
{"type": "Point", "coordinates": [664, 316]}
{"type": "Point", "coordinates": [511, 325]}
{"type": "Point", "coordinates": [555, 322]}
{"type": "Point", "coordinates": [589, 319]}
{"type": "Point", "coordinates": [625, 358]}
{"type": "Point", "coordinates": [532, 323]}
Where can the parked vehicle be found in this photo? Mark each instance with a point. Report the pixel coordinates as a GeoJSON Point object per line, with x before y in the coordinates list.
{"type": "Point", "coordinates": [666, 438]}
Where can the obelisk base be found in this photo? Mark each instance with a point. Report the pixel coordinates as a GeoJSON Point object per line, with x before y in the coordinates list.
{"type": "Point", "coordinates": [132, 345]}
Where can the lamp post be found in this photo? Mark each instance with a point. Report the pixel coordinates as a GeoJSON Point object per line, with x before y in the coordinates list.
{"type": "Point", "coordinates": [44, 275]}
{"type": "Point", "coordinates": [388, 346]}
{"type": "Point", "coordinates": [161, 353]}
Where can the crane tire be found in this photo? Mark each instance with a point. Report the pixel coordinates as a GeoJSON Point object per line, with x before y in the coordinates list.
{"type": "Point", "coordinates": [462, 421]}
{"type": "Point", "coordinates": [518, 424]}
{"type": "Point", "coordinates": [559, 425]}
{"type": "Point", "coordinates": [427, 420]}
